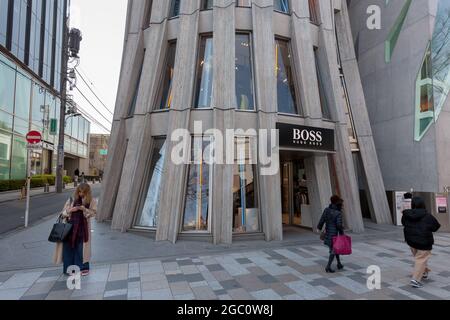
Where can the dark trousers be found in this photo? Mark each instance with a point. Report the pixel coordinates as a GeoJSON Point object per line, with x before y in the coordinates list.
{"type": "Point", "coordinates": [332, 257]}
{"type": "Point", "coordinates": [74, 256]}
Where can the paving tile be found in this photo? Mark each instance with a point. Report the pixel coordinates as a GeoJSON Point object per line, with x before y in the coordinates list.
{"type": "Point", "coordinates": [40, 288]}
{"type": "Point", "coordinates": [287, 278]}
{"type": "Point", "coordinates": [12, 294]}
{"type": "Point", "coordinates": [230, 284]}
{"type": "Point", "coordinates": [220, 292]}
{"type": "Point", "coordinates": [160, 295]}
{"type": "Point", "coordinates": [89, 289]}
{"type": "Point", "coordinates": [199, 284]}
{"type": "Point", "coordinates": [267, 294]}
{"type": "Point", "coordinates": [240, 294]}
{"type": "Point", "coordinates": [185, 297]}
{"type": "Point", "coordinates": [134, 279]}
{"type": "Point", "coordinates": [221, 275]}
{"type": "Point", "coordinates": [113, 293]}
{"type": "Point", "coordinates": [185, 263]}
{"type": "Point", "coordinates": [154, 285]}
{"type": "Point", "coordinates": [38, 297]}
{"type": "Point", "coordinates": [180, 288]}
{"type": "Point", "coordinates": [268, 279]}
{"type": "Point", "coordinates": [21, 280]}
{"type": "Point", "coordinates": [117, 298]}
{"type": "Point", "coordinates": [244, 261]}
{"type": "Point", "coordinates": [134, 293]}
{"type": "Point", "coordinates": [48, 279]}
{"type": "Point", "coordinates": [282, 289]}
{"type": "Point", "coordinates": [59, 295]}
{"type": "Point", "coordinates": [351, 285]}
{"type": "Point", "coordinates": [175, 278]}
{"type": "Point", "coordinates": [116, 285]}
{"type": "Point", "coordinates": [196, 277]}
{"type": "Point", "coordinates": [251, 283]}
{"type": "Point", "coordinates": [215, 267]}
{"type": "Point", "coordinates": [306, 291]}
{"type": "Point", "coordinates": [204, 293]}
{"type": "Point", "coordinates": [225, 297]}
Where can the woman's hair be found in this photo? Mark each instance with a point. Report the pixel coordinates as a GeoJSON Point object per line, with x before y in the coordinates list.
{"type": "Point", "coordinates": [336, 200]}
{"type": "Point", "coordinates": [86, 189]}
{"type": "Point", "coordinates": [418, 203]}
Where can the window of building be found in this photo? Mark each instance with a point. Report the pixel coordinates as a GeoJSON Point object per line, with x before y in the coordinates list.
{"type": "Point", "coordinates": [324, 104]}
{"type": "Point", "coordinates": [7, 84]}
{"type": "Point", "coordinates": [207, 4]}
{"type": "Point", "coordinates": [19, 158]}
{"type": "Point", "coordinates": [5, 154]}
{"type": "Point", "coordinates": [148, 13]}
{"type": "Point", "coordinates": [286, 96]}
{"type": "Point", "coordinates": [246, 216]}
{"type": "Point", "coordinates": [424, 97]}
{"type": "Point", "coordinates": [38, 106]}
{"type": "Point", "coordinates": [174, 8]}
{"type": "Point", "coordinates": [244, 72]}
{"type": "Point", "coordinates": [22, 104]}
{"type": "Point", "coordinates": [314, 13]}
{"type": "Point", "coordinates": [149, 213]}
{"type": "Point", "coordinates": [165, 95]}
{"type": "Point", "coordinates": [132, 108]}
{"type": "Point", "coordinates": [243, 3]}
{"type": "Point", "coordinates": [204, 73]}
{"type": "Point", "coordinates": [197, 201]}
{"type": "Point", "coordinates": [281, 5]}
{"type": "Point", "coordinates": [3, 21]}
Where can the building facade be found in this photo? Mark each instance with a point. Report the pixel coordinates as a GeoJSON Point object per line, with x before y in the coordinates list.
{"type": "Point", "coordinates": [30, 78]}
{"type": "Point", "coordinates": [98, 153]}
{"type": "Point", "coordinates": [227, 65]}
{"type": "Point", "coordinates": [405, 70]}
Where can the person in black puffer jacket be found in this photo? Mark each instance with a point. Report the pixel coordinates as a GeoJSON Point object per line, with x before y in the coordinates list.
{"type": "Point", "coordinates": [419, 227]}
{"type": "Point", "coordinates": [332, 219]}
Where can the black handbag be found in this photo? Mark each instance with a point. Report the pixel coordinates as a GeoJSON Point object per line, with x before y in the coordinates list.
{"type": "Point", "coordinates": [60, 231]}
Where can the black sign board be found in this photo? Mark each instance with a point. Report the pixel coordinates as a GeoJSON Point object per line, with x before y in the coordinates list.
{"type": "Point", "coordinates": [306, 138]}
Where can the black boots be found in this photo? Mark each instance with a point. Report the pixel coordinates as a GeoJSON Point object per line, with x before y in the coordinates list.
{"type": "Point", "coordinates": [340, 266]}
{"type": "Point", "coordinates": [330, 262]}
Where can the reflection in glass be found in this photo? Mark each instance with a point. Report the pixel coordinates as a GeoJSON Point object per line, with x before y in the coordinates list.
{"type": "Point", "coordinates": [196, 210]}
{"type": "Point", "coordinates": [7, 81]}
{"type": "Point", "coordinates": [285, 82]}
{"type": "Point", "coordinates": [150, 213]}
{"type": "Point", "coordinates": [424, 98]}
{"type": "Point", "coordinates": [165, 100]}
{"type": "Point", "coordinates": [244, 73]}
{"type": "Point", "coordinates": [5, 155]}
{"type": "Point", "coordinates": [19, 158]}
{"type": "Point", "coordinates": [205, 73]}
{"type": "Point", "coordinates": [245, 199]}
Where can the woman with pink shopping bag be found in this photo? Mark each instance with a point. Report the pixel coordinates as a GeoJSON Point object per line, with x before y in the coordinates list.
{"type": "Point", "coordinates": [332, 220]}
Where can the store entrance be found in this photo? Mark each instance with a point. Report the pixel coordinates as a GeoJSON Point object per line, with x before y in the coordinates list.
{"type": "Point", "coordinates": [295, 198]}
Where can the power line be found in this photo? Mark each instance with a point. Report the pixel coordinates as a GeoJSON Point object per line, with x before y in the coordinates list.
{"type": "Point", "coordinates": [82, 78]}
{"type": "Point", "coordinates": [109, 122]}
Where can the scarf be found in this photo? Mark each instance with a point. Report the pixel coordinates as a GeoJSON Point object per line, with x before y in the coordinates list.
{"type": "Point", "coordinates": [79, 224]}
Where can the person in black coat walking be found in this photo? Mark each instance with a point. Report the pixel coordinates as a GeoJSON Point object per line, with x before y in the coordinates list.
{"type": "Point", "coordinates": [419, 227]}
{"type": "Point", "coordinates": [332, 219]}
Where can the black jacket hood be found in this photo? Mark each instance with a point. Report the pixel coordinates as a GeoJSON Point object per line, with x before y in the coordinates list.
{"type": "Point", "coordinates": [415, 214]}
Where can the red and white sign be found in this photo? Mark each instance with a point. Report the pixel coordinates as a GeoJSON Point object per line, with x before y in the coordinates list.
{"type": "Point", "coordinates": [441, 204]}
{"type": "Point", "coordinates": [34, 137]}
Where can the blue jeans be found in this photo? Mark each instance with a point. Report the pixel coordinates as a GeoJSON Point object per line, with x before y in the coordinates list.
{"type": "Point", "coordinates": [74, 256]}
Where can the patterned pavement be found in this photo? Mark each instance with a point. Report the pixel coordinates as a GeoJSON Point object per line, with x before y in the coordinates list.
{"type": "Point", "coordinates": [288, 273]}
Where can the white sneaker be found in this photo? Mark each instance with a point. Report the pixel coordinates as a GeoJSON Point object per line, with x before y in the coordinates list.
{"type": "Point", "coordinates": [416, 284]}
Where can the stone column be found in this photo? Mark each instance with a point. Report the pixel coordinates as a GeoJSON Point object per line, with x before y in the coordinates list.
{"type": "Point", "coordinates": [375, 184]}
{"type": "Point", "coordinates": [266, 101]}
{"type": "Point", "coordinates": [224, 103]}
{"type": "Point", "coordinates": [173, 187]}
{"type": "Point", "coordinates": [345, 168]}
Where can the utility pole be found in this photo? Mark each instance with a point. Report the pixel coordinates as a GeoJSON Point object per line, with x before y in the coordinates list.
{"type": "Point", "coordinates": [62, 113]}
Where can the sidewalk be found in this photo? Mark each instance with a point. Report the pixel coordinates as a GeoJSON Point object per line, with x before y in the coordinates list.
{"type": "Point", "coordinates": [15, 195]}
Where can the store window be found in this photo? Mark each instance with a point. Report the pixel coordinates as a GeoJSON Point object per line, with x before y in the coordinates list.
{"type": "Point", "coordinates": [204, 73]}
{"type": "Point", "coordinates": [197, 201]}
{"type": "Point", "coordinates": [174, 8]}
{"type": "Point", "coordinates": [244, 73]}
{"type": "Point", "coordinates": [207, 4]}
{"type": "Point", "coordinates": [281, 5]}
{"type": "Point", "coordinates": [149, 213]}
{"type": "Point", "coordinates": [246, 216]}
{"type": "Point", "coordinates": [7, 85]}
{"type": "Point", "coordinates": [324, 104]}
{"type": "Point", "coordinates": [286, 96]}
{"type": "Point", "coordinates": [165, 95]}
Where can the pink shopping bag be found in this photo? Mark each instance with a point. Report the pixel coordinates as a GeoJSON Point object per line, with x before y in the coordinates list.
{"type": "Point", "coordinates": [342, 245]}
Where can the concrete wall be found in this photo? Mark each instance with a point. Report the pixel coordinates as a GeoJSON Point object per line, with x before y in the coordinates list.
{"type": "Point", "coordinates": [390, 89]}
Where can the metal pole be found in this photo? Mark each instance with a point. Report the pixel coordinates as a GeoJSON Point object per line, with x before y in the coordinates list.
{"type": "Point", "coordinates": [27, 210]}
{"type": "Point", "coordinates": [62, 114]}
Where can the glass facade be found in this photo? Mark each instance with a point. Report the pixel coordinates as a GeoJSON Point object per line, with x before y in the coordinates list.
{"type": "Point", "coordinates": [286, 96]}
{"type": "Point", "coordinates": [204, 73]}
{"type": "Point", "coordinates": [26, 104]}
{"type": "Point", "coordinates": [32, 31]}
{"type": "Point", "coordinates": [244, 73]}
{"type": "Point", "coordinates": [246, 217]}
{"type": "Point", "coordinates": [149, 214]}
{"type": "Point", "coordinates": [197, 204]}
{"type": "Point", "coordinates": [165, 95]}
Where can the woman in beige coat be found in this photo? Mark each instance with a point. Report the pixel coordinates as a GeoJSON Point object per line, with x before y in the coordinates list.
{"type": "Point", "coordinates": [76, 250]}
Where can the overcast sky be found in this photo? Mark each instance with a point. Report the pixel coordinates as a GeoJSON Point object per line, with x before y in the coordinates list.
{"type": "Point", "coordinates": [102, 23]}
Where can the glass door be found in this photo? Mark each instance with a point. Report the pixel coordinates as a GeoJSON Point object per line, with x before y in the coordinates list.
{"type": "Point", "coordinates": [286, 170]}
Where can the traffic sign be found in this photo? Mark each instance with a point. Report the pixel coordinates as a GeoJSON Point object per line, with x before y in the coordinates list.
{"type": "Point", "coordinates": [34, 137]}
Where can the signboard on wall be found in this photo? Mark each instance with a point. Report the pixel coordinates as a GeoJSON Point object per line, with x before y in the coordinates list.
{"type": "Point", "coordinates": [399, 206]}
{"type": "Point", "coordinates": [306, 138]}
{"type": "Point", "coordinates": [441, 204]}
